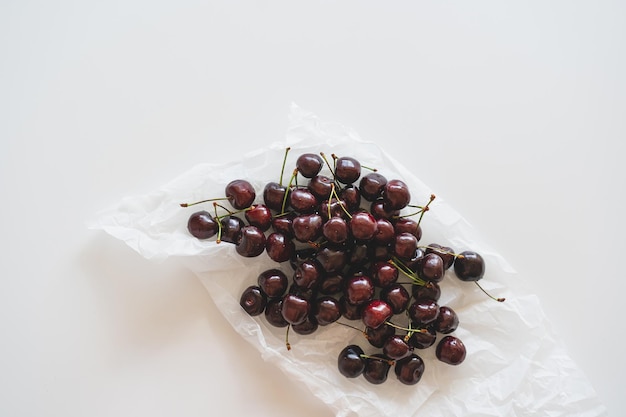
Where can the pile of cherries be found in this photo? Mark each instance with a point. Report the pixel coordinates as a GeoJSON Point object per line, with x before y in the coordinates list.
{"type": "Point", "coordinates": [350, 239]}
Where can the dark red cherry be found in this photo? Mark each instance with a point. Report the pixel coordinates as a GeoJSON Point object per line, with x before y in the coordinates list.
{"type": "Point", "coordinates": [253, 300]}
{"type": "Point", "coordinates": [302, 200]}
{"type": "Point", "coordinates": [350, 361]}
{"type": "Point", "coordinates": [405, 245]}
{"type": "Point", "coordinates": [447, 321]}
{"type": "Point", "coordinates": [383, 274]}
{"type": "Point", "coordinates": [240, 194]}
{"type": "Point", "coordinates": [377, 368]}
{"type": "Point", "coordinates": [376, 313]}
{"type": "Point", "coordinates": [335, 230]}
{"type": "Point", "coordinates": [273, 282]}
{"type": "Point", "coordinates": [409, 370]}
{"type": "Point", "coordinates": [231, 228]}
{"type": "Point", "coordinates": [308, 326]}
{"type": "Point", "coordinates": [385, 232]}
{"type": "Point", "coordinates": [279, 247]}
{"type": "Point", "coordinates": [347, 169]}
{"type": "Point", "coordinates": [469, 266]}
{"type": "Point", "coordinates": [431, 290]}
{"type": "Point", "coordinates": [308, 274]}
{"type": "Point", "coordinates": [431, 268]}
{"type": "Point", "coordinates": [284, 224]}
{"type": "Point", "coordinates": [259, 215]}
{"type": "Point", "coordinates": [321, 186]}
{"type": "Point", "coordinates": [424, 338]}
{"type": "Point", "coordinates": [273, 313]}
{"type": "Point", "coordinates": [251, 242]}
{"type": "Point", "coordinates": [408, 225]}
{"type": "Point", "coordinates": [396, 348]}
{"type": "Point", "coordinates": [350, 311]}
{"type": "Point", "coordinates": [202, 225]}
{"type": "Point", "coordinates": [423, 311]}
{"type": "Point", "coordinates": [371, 186]}
{"type": "Point", "coordinates": [351, 196]}
{"type": "Point", "coordinates": [451, 350]}
{"type": "Point", "coordinates": [309, 164]}
{"type": "Point", "coordinates": [274, 196]}
{"type": "Point", "coordinates": [326, 310]}
{"type": "Point", "coordinates": [396, 296]}
{"type": "Point", "coordinates": [331, 284]}
{"type": "Point", "coordinates": [378, 210]}
{"type": "Point", "coordinates": [378, 336]}
{"type": "Point", "coordinates": [332, 259]}
{"type": "Point", "coordinates": [446, 253]}
{"type": "Point", "coordinates": [359, 289]}
{"type": "Point", "coordinates": [295, 308]}
{"type": "Point", "coordinates": [307, 227]}
{"type": "Point", "coordinates": [363, 226]}
{"type": "Point", "coordinates": [396, 195]}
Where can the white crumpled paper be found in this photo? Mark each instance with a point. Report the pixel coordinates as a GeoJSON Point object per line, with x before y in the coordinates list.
{"type": "Point", "coordinates": [514, 366]}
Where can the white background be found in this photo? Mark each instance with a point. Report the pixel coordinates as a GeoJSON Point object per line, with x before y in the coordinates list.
{"type": "Point", "coordinates": [514, 112]}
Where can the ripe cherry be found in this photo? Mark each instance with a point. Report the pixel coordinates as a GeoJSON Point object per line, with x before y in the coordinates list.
{"type": "Point", "coordinates": [240, 194]}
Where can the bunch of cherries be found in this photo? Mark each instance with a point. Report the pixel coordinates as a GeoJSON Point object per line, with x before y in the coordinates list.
{"type": "Point", "coordinates": [353, 254]}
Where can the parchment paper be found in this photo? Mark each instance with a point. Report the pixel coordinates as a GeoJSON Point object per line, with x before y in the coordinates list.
{"type": "Point", "coordinates": [515, 365]}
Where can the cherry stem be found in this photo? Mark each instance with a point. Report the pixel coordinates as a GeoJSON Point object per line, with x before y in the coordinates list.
{"type": "Point", "coordinates": [287, 344]}
{"type": "Point", "coordinates": [425, 209]}
{"type": "Point", "coordinates": [500, 299]}
{"type": "Point", "coordinates": [371, 169]}
{"type": "Point", "coordinates": [409, 329]}
{"type": "Point", "coordinates": [407, 271]}
{"type": "Point", "coordinates": [202, 201]}
{"type": "Point", "coordinates": [333, 192]}
{"type": "Point", "coordinates": [282, 171]}
{"type": "Point", "coordinates": [332, 171]}
{"type": "Point", "coordinates": [390, 362]}
{"type": "Point", "coordinates": [218, 239]}
{"type": "Point", "coordinates": [353, 328]}
{"type": "Point", "coordinates": [293, 176]}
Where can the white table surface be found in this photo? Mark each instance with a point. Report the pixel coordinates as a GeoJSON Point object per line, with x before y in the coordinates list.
{"type": "Point", "coordinates": [514, 113]}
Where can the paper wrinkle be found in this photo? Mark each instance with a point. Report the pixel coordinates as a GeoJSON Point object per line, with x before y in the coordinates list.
{"type": "Point", "coordinates": [515, 365]}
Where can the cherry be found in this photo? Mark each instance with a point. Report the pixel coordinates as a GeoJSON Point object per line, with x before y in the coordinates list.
{"type": "Point", "coordinates": [407, 225]}
{"type": "Point", "coordinates": [332, 259]}
{"type": "Point", "coordinates": [451, 350]}
{"type": "Point", "coordinates": [253, 300]}
{"type": "Point", "coordinates": [273, 282]}
{"type": "Point", "coordinates": [359, 289]}
{"type": "Point", "coordinates": [274, 196]}
{"type": "Point", "coordinates": [378, 336]}
{"type": "Point", "coordinates": [240, 194]}
{"type": "Point", "coordinates": [284, 224]}
{"type": "Point", "coordinates": [447, 321]}
{"type": "Point", "coordinates": [424, 338]}
{"type": "Point", "coordinates": [469, 266]}
{"type": "Point", "coordinates": [307, 227]}
{"type": "Point", "coordinates": [321, 186]}
{"type": "Point", "coordinates": [396, 296]}
{"type": "Point", "coordinates": [431, 290]}
{"type": "Point", "coordinates": [405, 245]}
{"type": "Point", "coordinates": [251, 242]}
{"type": "Point", "coordinates": [259, 215]}
{"type": "Point", "coordinates": [377, 368]}
{"type": "Point", "coordinates": [376, 313]}
{"type": "Point", "coordinates": [371, 186]}
{"type": "Point", "coordinates": [351, 196]}
{"type": "Point", "coordinates": [202, 225]}
{"type": "Point", "coordinates": [396, 195]}
{"type": "Point", "coordinates": [335, 230]}
{"type": "Point", "coordinates": [303, 200]}
{"type": "Point", "coordinates": [350, 311]}
{"type": "Point", "coordinates": [331, 284]}
{"type": "Point", "coordinates": [326, 310]}
{"type": "Point", "coordinates": [383, 274]}
{"type": "Point", "coordinates": [385, 232]}
{"type": "Point", "coordinates": [396, 348]}
{"type": "Point", "coordinates": [273, 313]}
{"type": "Point", "coordinates": [431, 268]}
{"type": "Point", "coordinates": [295, 308]}
{"type": "Point", "coordinates": [308, 326]}
{"type": "Point", "coordinates": [379, 211]}
{"type": "Point", "coordinates": [347, 169]}
{"type": "Point", "coordinates": [446, 253]}
{"type": "Point", "coordinates": [309, 164]}
{"type": "Point", "coordinates": [279, 247]}
{"type": "Point", "coordinates": [363, 226]}
{"type": "Point", "coordinates": [423, 311]}
{"type": "Point", "coordinates": [351, 362]}
{"type": "Point", "coordinates": [409, 370]}
{"type": "Point", "coordinates": [308, 274]}
{"type": "Point", "coordinates": [333, 208]}
{"type": "Point", "coordinates": [231, 228]}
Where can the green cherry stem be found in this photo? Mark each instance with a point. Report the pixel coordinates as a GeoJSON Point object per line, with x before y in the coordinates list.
{"type": "Point", "coordinates": [282, 171]}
